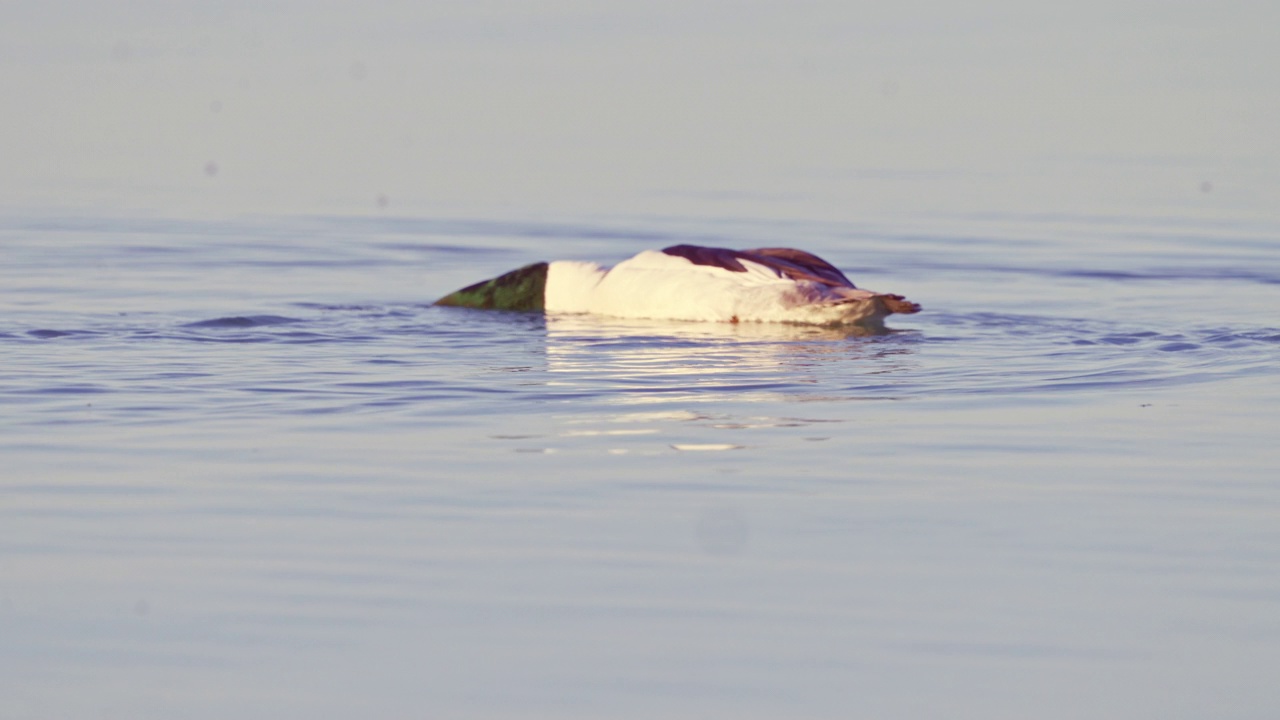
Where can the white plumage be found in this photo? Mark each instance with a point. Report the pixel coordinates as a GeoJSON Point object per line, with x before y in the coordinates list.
{"type": "Point", "coordinates": [690, 282]}
{"type": "Point", "coordinates": [657, 285]}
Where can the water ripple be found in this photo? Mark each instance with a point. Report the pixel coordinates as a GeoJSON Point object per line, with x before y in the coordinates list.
{"type": "Point", "coordinates": [240, 322]}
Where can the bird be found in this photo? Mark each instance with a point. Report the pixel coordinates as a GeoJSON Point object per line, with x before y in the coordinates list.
{"type": "Point", "coordinates": [690, 282]}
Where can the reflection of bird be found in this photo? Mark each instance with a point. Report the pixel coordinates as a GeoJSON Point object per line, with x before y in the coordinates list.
{"type": "Point", "coordinates": [689, 282]}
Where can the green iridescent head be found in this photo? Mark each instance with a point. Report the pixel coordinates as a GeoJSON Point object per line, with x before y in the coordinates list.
{"type": "Point", "coordinates": [522, 289]}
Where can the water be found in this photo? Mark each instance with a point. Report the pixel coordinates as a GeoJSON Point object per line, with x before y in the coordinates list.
{"type": "Point", "coordinates": [251, 471]}
{"type": "Point", "coordinates": [247, 470]}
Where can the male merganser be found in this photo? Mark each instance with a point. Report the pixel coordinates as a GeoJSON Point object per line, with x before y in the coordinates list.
{"type": "Point", "coordinates": [690, 282]}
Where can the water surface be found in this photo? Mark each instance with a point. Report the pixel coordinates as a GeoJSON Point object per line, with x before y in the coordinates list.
{"type": "Point", "coordinates": [250, 471]}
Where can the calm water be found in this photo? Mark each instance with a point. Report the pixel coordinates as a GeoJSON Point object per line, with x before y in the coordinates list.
{"type": "Point", "coordinates": [249, 471]}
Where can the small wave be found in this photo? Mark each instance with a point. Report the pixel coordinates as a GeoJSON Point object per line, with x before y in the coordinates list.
{"type": "Point", "coordinates": [239, 322]}
{"type": "Point", "coordinates": [48, 334]}
{"type": "Point", "coordinates": [328, 307]}
{"type": "Point", "coordinates": [1219, 274]}
{"type": "Point", "coordinates": [1228, 273]}
{"type": "Point", "coordinates": [71, 389]}
{"type": "Point", "coordinates": [435, 248]}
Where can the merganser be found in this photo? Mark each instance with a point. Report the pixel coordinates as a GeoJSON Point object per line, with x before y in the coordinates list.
{"type": "Point", "coordinates": [691, 282]}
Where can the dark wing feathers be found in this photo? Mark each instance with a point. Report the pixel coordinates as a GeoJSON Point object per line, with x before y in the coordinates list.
{"type": "Point", "coordinates": [800, 265]}
{"type": "Point", "coordinates": [788, 262]}
{"type": "Point", "coordinates": [715, 257]}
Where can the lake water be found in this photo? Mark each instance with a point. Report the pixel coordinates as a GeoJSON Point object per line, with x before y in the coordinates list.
{"type": "Point", "coordinates": [248, 471]}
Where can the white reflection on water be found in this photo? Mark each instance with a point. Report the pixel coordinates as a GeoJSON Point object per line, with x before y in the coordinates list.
{"type": "Point", "coordinates": [706, 362]}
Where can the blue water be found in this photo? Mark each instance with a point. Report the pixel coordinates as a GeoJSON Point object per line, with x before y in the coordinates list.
{"type": "Point", "coordinates": [250, 471]}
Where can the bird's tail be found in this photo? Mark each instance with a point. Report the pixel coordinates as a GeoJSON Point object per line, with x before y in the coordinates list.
{"type": "Point", "coordinates": [899, 304]}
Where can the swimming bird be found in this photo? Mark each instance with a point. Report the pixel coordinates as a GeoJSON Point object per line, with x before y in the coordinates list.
{"type": "Point", "coordinates": [691, 282]}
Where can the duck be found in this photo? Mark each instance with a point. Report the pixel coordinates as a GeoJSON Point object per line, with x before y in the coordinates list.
{"type": "Point", "coordinates": [690, 282]}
